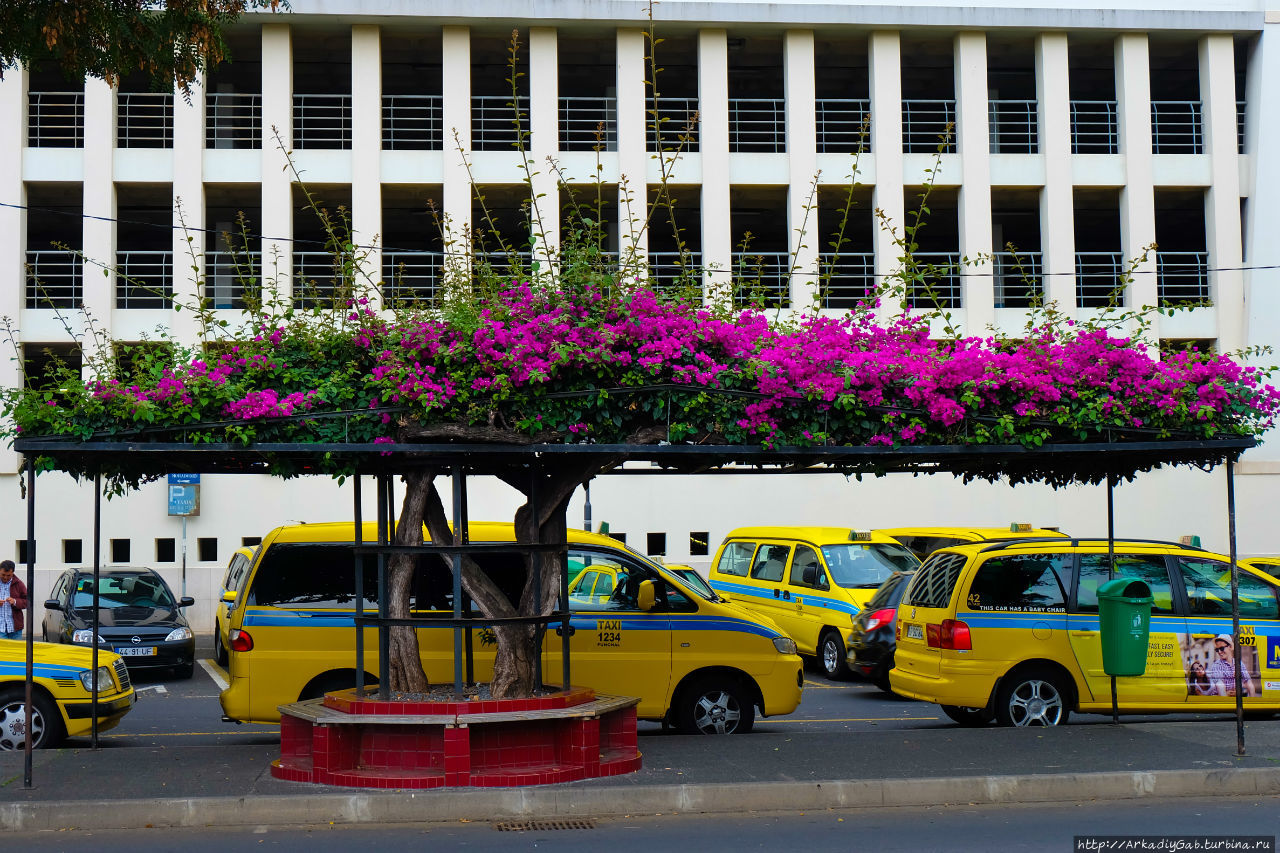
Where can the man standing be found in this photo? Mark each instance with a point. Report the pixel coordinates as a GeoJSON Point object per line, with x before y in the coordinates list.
{"type": "Point", "coordinates": [1222, 669]}
{"type": "Point", "coordinates": [13, 600]}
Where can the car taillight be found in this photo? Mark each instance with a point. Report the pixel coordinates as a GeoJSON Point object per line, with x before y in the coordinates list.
{"type": "Point", "coordinates": [951, 634]}
{"type": "Point", "coordinates": [240, 640]}
{"type": "Point", "coordinates": [879, 618]}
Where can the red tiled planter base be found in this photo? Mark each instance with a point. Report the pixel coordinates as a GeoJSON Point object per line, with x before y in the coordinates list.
{"type": "Point", "coordinates": [564, 737]}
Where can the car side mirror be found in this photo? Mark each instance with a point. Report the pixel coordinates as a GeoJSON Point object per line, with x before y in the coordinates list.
{"type": "Point", "coordinates": [53, 604]}
{"type": "Point", "coordinates": [228, 597]}
{"type": "Point", "coordinates": [186, 601]}
{"type": "Point", "coordinates": [645, 596]}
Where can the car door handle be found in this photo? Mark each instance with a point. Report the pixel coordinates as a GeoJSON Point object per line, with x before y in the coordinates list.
{"type": "Point", "coordinates": [786, 594]}
{"type": "Point", "coordinates": [560, 630]}
{"type": "Point", "coordinates": [776, 594]}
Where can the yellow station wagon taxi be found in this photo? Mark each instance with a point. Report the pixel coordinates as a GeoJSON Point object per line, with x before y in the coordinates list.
{"type": "Point", "coordinates": [62, 698]}
{"type": "Point", "coordinates": [692, 658]}
{"type": "Point", "coordinates": [923, 541]}
{"type": "Point", "coordinates": [1009, 631]}
{"type": "Point", "coordinates": [811, 581]}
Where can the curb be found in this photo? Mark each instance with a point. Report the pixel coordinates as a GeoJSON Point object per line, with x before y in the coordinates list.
{"type": "Point", "coordinates": [529, 802]}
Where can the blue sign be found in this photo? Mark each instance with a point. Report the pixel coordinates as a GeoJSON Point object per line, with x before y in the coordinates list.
{"type": "Point", "coordinates": [184, 479]}
{"type": "Point", "coordinates": [184, 500]}
{"type": "Point", "coordinates": [1273, 652]}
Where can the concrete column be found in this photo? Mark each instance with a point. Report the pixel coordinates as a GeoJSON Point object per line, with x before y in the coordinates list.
{"type": "Point", "coordinates": [189, 241]}
{"type": "Point", "coordinates": [1057, 204]}
{"type": "Point", "coordinates": [1222, 201]}
{"type": "Point", "coordinates": [633, 158]}
{"type": "Point", "coordinates": [973, 141]}
{"type": "Point", "coordinates": [713, 145]}
{"type": "Point", "coordinates": [885, 59]}
{"type": "Point", "coordinates": [13, 226]}
{"type": "Point", "coordinates": [366, 156]}
{"type": "Point", "coordinates": [99, 226]}
{"type": "Point", "coordinates": [456, 121]}
{"type": "Point", "coordinates": [1137, 198]}
{"type": "Point", "coordinates": [277, 176]}
{"type": "Point", "coordinates": [544, 142]}
{"type": "Point", "coordinates": [802, 158]}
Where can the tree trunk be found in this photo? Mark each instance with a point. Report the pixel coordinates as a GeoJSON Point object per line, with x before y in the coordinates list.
{"type": "Point", "coordinates": [404, 658]}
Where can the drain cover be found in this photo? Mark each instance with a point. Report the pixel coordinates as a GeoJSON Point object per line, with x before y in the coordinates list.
{"type": "Point", "coordinates": [543, 825]}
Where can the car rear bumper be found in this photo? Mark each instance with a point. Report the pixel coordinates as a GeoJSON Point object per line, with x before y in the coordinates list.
{"type": "Point", "coordinates": [945, 688]}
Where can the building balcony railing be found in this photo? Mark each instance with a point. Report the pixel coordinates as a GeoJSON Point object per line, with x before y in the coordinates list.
{"type": "Point", "coordinates": [846, 280]}
{"type": "Point", "coordinates": [671, 272]}
{"type": "Point", "coordinates": [232, 279]}
{"type": "Point", "coordinates": [928, 124]}
{"type": "Point", "coordinates": [671, 124]}
{"type": "Point", "coordinates": [937, 284]}
{"type": "Point", "coordinates": [55, 279]}
{"type": "Point", "coordinates": [497, 122]}
{"type": "Point", "coordinates": [1182, 278]}
{"type": "Point", "coordinates": [588, 123]}
{"type": "Point", "coordinates": [318, 280]}
{"type": "Point", "coordinates": [762, 279]}
{"type": "Point", "coordinates": [1014, 126]}
{"type": "Point", "coordinates": [758, 124]}
{"type": "Point", "coordinates": [1018, 278]}
{"type": "Point", "coordinates": [1094, 127]}
{"type": "Point", "coordinates": [843, 125]}
{"type": "Point", "coordinates": [412, 122]}
{"type": "Point", "coordinates": [1099, 279]}
{"type": "Point", "coordinates": [411, 278]}
{"type": "Point", "coordinates": [55, 119]}
{"type": "Point", "coordinates": [322, 121]}
{"type": "Point", "coordinates": [1175, 127]}
{"type": "Point", "coordinates": [510, 265]}
{"type": "Point", "coordinates": [144, 279]}
{"type": "Point", "coordinates": [1240, 115]}
{"type": "Point", "coordinates": [232, 120]}
{"type": "Point", "coordinates": [144, 120]}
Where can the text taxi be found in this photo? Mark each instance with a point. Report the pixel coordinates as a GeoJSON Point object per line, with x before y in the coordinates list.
{"type": "Point", "coordinates": [691, 658]}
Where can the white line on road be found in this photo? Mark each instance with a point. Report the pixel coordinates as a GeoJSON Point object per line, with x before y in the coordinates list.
{"type": "Point", "coordinates": [217, 673]}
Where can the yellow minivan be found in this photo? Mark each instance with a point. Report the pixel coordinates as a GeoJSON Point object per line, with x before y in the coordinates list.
{"type": "Point", "coordinates": [237, 568]}
{"type": "Point", "coordinates": [923, 541]}
{"type": "Point", "coordinates": [1009, 631]}
{"type": "Point", "coordinates": [692, 659]}
{"type": "Point", "coordinates": [810, 581]}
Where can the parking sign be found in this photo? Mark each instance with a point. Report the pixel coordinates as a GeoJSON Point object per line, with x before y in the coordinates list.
{"type": "Point", "coordinates": [184, 494]}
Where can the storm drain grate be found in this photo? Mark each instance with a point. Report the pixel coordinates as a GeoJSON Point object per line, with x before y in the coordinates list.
{"type": "Point", "coordinates": [543, 825]}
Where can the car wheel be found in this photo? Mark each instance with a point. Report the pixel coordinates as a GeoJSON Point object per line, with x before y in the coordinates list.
{"type": "Point", "coordinates": [219, 650]}
{"type": "Point", "coordinates": [968, 717]}
{"type": "Point", "coordinates": [831, 656]}
{"type": "Point", "coordinates": [1032, 698]}
{"type": "Point", "coordinates": [184, 671]}
{"type": "Point", "coordinates": [881, 675]}
{"type": "Point", "coordinates": [716, 706]}
{"type": "Point", "coordinates": [46, 724]}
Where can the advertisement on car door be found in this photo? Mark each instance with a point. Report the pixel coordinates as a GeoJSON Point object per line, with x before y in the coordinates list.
{"type": "Point", "coordinates": [1210, 664]}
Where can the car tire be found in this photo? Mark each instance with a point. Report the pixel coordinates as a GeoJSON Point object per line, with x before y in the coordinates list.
{"type": "Point", "coordinates": [184, 671]}
{"type": "Point", "coordinates": [1032, 697]}
{"type": "Point", "coordinates": [832, 656]}
{"type": "Point", "coordinates": [46, 722]}
{"type": "Point", "coordinates": [970, 718]}
{"type": "Point", "coordinates": [220, 651]}
{"type": "Point", "coordinates": [716, 705]}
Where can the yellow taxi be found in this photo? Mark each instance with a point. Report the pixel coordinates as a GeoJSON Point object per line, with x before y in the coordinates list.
{"type": "Point", "coordinates": [810, 581]}
{"type": "Point", "coordinates": [691, 658]}
{"type": "Point", "coordinates": [237, 570]}
{"type": "Point", "coordinates": [923, 541]}
{"type": "Point", "coordinates": [62, 697]}
{"type": "Point", "coordinates": [1270, 565]}
{"type": "Point", "coordinates": [1009, 631]}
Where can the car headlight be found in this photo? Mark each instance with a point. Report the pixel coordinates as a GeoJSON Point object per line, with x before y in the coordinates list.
{"type": "Point", "coordinates": [104, 679]}
{"type": "Point", "coordinates": [84, 635]}
{"type": "Point", "coordinates": [179, 634]}
{"type": "Point", "coordinates": [784, 645]}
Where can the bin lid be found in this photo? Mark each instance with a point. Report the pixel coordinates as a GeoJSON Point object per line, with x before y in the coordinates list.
{"type": "Point", "coordinates": [1131, 590]}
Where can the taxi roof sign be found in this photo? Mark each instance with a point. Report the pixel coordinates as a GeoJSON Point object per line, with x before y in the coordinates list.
{"type": "Point", "coordinates": [1190, 539]}
{"type": "Point", "coordinates": [859, 535]}
{"type": "Point", "coordinates": [1020, 527]}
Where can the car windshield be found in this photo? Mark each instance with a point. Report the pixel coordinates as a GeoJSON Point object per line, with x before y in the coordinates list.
{"type": "Point", "coordinates": [866, 566]}
{"type": "Point", "coordinates": [700, 588]}
{"type": "Point", "coordinates": [131, 590]}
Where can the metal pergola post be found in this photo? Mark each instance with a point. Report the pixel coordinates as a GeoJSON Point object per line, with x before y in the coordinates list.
{"type": "Point", "coordinates": [31, 611]}
{"type": "Point", "coordinates": [1235, 602]}
{"type": "Point", "coordinates": [358, 568]}
{"type": "Point", "coordinates": [384, 639]}
{"type": "Point", "coordinates": [459, 538]}
{"type": "Point", "coordinates": [1111, 575]}
{"type": "Point", "coordinates": [97, 577]}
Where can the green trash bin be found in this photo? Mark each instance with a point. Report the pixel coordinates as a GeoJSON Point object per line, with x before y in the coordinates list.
{"type": "Point", "coordinates": [1124, 614]}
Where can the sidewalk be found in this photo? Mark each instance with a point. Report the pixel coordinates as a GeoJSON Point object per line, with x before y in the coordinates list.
{"type": "Point", "coordinates": [766, 771]}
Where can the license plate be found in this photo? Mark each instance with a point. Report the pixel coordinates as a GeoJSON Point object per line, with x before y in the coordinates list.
{"type": "Point", "coordinates": [136, 651]}
{"type": "Point", "coordinates": [915, 632]}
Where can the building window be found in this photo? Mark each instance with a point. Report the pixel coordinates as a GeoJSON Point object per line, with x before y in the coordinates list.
{"type": "Point", "coordinates": [165, 551]}
{"type": "Point", "coordinates": [657, 544]}
{"type": "Point", "coordinates": [46, 365]}
{"type": "Point", "coordinates": [20, 548]}
{"type": "Point", "coordinates": [699, 543]}
{"type": "Point", "coordinates": [250, 541]}
{"type": "Point", "coordinates": [72, 551]}
{"type": "Point", "coordinates": [120, 551]}
{"type": "Point", "coordinates": [207, 549]}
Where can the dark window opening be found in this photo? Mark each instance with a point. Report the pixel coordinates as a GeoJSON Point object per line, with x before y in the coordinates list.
{"type": "Point", "coordinates": [656, 544]}
{"type": "Point", "coordinates": [120, 550]}
{"type": "Point", "coordinates": [698, 543]}
{"type": "Point", "coordinates": [21, 549]}
{"type": "Point", "coordinates": [72, 551]}
{"type": "Point", "coordinates": [207, 549]}
{"type": "Point", "coordinates": [165, 550]}
{"type": "Point", "coordinates": [250, 541]}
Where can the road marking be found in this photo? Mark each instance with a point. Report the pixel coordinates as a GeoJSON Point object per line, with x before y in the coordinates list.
{"type": "Point", "coordinates": [263, 731]}
{"type": "Point", "coordinates": [159, 688]}
{"type": "Point", "coordinates": [217, 673]}
{"type": "Point", "coordinates": [823, 685]}
{"type": "Point", "coordinates": [853, 720]}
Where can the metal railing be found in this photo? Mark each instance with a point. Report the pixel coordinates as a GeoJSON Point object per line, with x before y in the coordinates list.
{"type": "Point", "coordinates": [668, 271]}
{"type": "Point", "coordinates": [846, 279]}
{"type": "Point", "coordinates": [322, 121]}
{"type": "Point", "coordinates": [843, 125]}
{"type": "Point", "coordinates": [1099, 277]}
{"type": "Point", "coordinates": [1175, 127]}
{"type": "Point", "coordinates": [55, 119]}
{"type": "Point", "coordinates": [588, 122]}
{"type": "Point", "coordinates": [411, 278]}
{"type": "Point", "coordinates": [940, 287]}
{"type": "Point", "coordinates": [232, 279]}
{"type": "Point", "coordinates": [232, 120]}
{"type": "Point", "coordinates": [758, 124]}
{"type": "Point", "coordinates": [55, 279]}
{"type": "Point", "coordinates": [1094, 127]}
{"type": "Point", "coordinates": [144, 279]}
{"type": "Point", "coordinates": [762, 279]}
{"type": "Point", "coordinates": [318, 279]}
{"type": "Point", "coordinates": [493, 122]}
{"type": "Point", "coordinates": [412, 122]}
{"type": "Point", "coordinates": [926, 125]}
{"type": "Point", "coordinates": [677, 126]}
{"type": "Point", "coordinates": [144, 120]}
{"type": "Point", "coordinates": [503, 265]}
{"type": "Point", "coordinates": [1014, 126]}
{"type": "Point", "coordinates": [1018, 278]}
{"type": "Point", "coordinates": [1182, 277]}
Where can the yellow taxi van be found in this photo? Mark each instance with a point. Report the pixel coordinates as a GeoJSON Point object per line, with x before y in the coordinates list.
{"type": "Point", "coordinates": [810, 581]}
{"type": "Point", "coordinates": [62, 692]}
{"type": "Point", "coordinates": [923, 541]}
{"type": "Point", "coordinates": [237, 569]}
{"type": "Point", "coordinates": [1009, 631]}
{"type": "Point", "coordinates": [693, 659]}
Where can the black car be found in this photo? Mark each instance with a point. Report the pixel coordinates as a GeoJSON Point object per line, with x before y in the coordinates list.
{"type": "Point", "coordinates": [138, 618]}
{"type": "Point", "coordinates": [872, 641]}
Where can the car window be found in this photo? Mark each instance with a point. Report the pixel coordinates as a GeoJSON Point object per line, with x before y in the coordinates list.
{"type": "Point", "coordinates": [131, 590]}
{"type": "Point", "coordinates": [923, 546]}
{"type": "Point", "coordinates": [770, 562]}
{"type": "Point", "coordinates": [1208, 585]}
{"type": "Point", "coordinates": [935, 580]}
{"type": "Point", "coordinates": [806, 570]}
{"type": "Point", "coordinates": [866, 565]}
{"type": "Point", "coordinates": [735, 559]}
{"type": "Point", "coordinates": [890, 592]}
{"type": "Point", "coordinates": [583, 583]}
{"type": "Point", "coordinates": [1025, 582]}
{"type": "Point", "coordinates": [622, 596]}
{"type": "Point", "coordinates": [1144, 567]}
